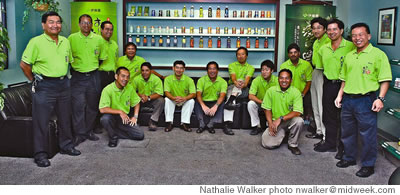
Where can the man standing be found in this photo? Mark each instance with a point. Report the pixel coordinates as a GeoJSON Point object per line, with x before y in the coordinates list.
{"type": "Point", "coordinates": [45, 62]}
{"type": "Point", "coordinates": [88, 52]}
{"type": "Point", "coordinates": [179, 91]}
{"type": "Point", "coordinates": [331, 61]}
{"type": "Point", "coordinates": [318, 26]}
{"type": "Point", "coordinates": [240, 73]}
{"type": "Point", "coordinates": [211, 91]}
{"type": "Point", "coordinates": [364, 71]}
{"type": "Point", "coordinates": [150, 90]}
{"type": "Point", "coordinates": [115, 103]}
{"type": "Point", "coordinates": [259, 86]}
{"type": "Point", "coordinates": [283, 106]}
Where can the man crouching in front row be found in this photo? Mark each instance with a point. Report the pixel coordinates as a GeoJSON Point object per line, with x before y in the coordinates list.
{"type": "Point", "coordinates": [116, 100]}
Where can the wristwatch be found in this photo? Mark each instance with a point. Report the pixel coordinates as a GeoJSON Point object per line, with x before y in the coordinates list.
{"type": "Point", "coordinates": [148, 98]}
{"type": "Point", "coordinates": [281, 117]}
{"type": "Point", "coordinates": [382, 99]}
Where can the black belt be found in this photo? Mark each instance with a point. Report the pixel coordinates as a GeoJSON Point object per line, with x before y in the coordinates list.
{"type": "Point", "coordinates": [53, 78]}
{"type": "Point", "coordinates": [331, 81]}
{"type": "Point", "coordinates": [83, 73]}
{"type": "Point", "coordinates": [354, 96]}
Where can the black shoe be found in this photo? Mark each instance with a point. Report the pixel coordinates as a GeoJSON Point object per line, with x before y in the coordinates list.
{"type": "Point", "coordinates": [256, 131]}
{"type": "Point", "coordinates": [186, 127]}
{"type": "Point", "coordinates": [211, 130]}
{"type": "Point", "coordinates": [314, 136]}
{"type": "Point", "coordinates": [98, 130]}
{"type": "Point", "coordinates": [319, 143]}
{"type": "Point", "coordinates": [200, 130]}
{"type": "Point", "coordinates": [231, 106]}
{"type": "Point", "coordinates": [339, 154]}
{"type": "Point", "coordinates": [324, 148]}
{"type": "Point", "coordinates": [365, 172]}
{"type": "Point", "coordinates": [345, 163]}
{"type": "Point", "coordinates": [78, 140]}
{"type": "Point", "coordinates": [93, 137]}
{"type": "Point", "coordinates": [42, 162]}
{"type": "Point", "coordinates": [152, 125]}
{"type": "Point", "coordinates": [71, 151]}
{"type": "Point", "coordinates": [227, 131]}
{"type": "Point", "coordinates": [168, 127]}
{"type": "Point", "coordinates": [294, 150]}
{"type": "Point", "coordinates": [113, 142]}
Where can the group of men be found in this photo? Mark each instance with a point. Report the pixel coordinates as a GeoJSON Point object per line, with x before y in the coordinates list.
{"type": "Point", "coordinates": [118, 88]}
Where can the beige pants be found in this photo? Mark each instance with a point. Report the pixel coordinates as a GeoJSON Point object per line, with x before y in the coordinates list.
{"type": "Point", "coordinates": [293, 125]}
{"type": "Point", "coordinates": [316, 90]}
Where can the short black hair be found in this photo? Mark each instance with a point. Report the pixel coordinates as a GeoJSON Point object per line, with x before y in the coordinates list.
{"type": "Point", "coordinates": [269, 64]}
{"type": "Point", "coordinates": [85, 15]}
{"type": "Point", "coordinates": [212, 62]}
{"type": "Point", "coordinates": [361, 25]}
{"type": "Point", "coordinates": [50, 13]}
{"type": "Point", "coordinates": [104, 23]}
{"type": "Point", "coordinates": [130, 44]}
{"type": "Point", "coordinates": [179, 62]}
{"type": "Point", "coordinates": [286, 70]}
{"type": "Point", "coordinates": [319, 20]}
{"type": "Point", "coordinates": [147, 64]}
{"type": "Point", "coordinates": [121, 68]}
{"type": "Point", "coordinates": [338, 22]}
{"type": "Point", "coordinates": [245, 49]}
{"type": "Point", "coordinates": [293, 46]}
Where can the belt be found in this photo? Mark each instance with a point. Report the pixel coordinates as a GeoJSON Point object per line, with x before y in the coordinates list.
{"type": "Point", "coordinates": [331, 81]}
{"type": "Point", "coordinates": [355, 96]}
{"type": "Point", "coordinates": [53, 78]}
{"type": "Point", "coordinates": [83, 73]}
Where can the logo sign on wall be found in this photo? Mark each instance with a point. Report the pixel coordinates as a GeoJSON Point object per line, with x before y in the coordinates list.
{"type": "Point", "coordinates": [99, 11]}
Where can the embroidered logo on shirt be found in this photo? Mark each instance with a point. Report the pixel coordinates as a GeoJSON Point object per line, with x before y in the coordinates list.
{"type": "Point", "coordinates": [96, 52]}
{"type": "Point", "coordinates": [128, 102]}
{"type": "Point", "coordinates": [290, 107]}
{"type": "Point", "coordinates": [366, 70]}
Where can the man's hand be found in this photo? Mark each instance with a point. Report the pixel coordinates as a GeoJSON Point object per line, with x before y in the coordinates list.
{"type": "Point", "coordinates": [239, 84]}
{"type": "Point", "coordinates": [133, 121]}
{"type": "Point", "coordinates": [276, 123]}
{"type": "Point", "coordinates": [205, 109]}
{"type": "Point", "coordinates": [124, 117]}
{"type": "Point", "coordinates": [213, 110]}
{"type": "Point", "coordinates": [179, 99]}
{"type": "Point", "coordinates": [338, 101]}
{"type": "Point", "coordinates": [143, 98]}
{"type": "Point", "coordinates": [377, 105]}
{"type": "Point", "coordinates": [272, 129]}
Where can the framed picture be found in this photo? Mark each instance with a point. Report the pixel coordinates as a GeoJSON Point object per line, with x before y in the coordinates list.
{"type": "Point", "coordinates": [387, 26]}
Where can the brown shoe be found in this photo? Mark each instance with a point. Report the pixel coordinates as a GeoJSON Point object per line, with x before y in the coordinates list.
{"type": "Point", "coordinates": [294, 150]}
{"type": "Point", "coordinates": [186, 127]}
{"type": "Point", "coordinates": [152, 125]}
{"type": "Point", "coordinates": [168, 127]}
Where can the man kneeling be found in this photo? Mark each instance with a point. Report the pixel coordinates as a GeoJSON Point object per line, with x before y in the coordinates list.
{"type": "Point", "coordinates": [116, 100]}
{"type": "Point", "coordinates": [283, 106]}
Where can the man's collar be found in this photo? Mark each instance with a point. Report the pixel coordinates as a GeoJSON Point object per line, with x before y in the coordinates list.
{"type": "Point", "coordinates": [50, 39]}
{"type": "Point", "coordinates": [182, 77]}
{"type": "Point", "coordinates": [90, 35]}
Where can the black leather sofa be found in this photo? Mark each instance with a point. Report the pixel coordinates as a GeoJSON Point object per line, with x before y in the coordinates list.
{"type": "Point", "coordinates": [16, 136]}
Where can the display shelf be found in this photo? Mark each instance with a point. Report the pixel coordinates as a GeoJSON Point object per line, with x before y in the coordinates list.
{"type": "Point", "coordinates": [203, 49]}
{"type": "Point", "coordinates": [199, 35]}
{"type": "Point", "coordinates": [197, 19]}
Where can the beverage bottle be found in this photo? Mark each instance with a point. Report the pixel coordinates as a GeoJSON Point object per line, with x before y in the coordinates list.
{"type": "Point", "coordinates": [153, 41]}
{"type": "Point", "coordinates": [183, 41]}
{"type": "Point", "coordinates": [138, 40]}
{"type": "Point", "coordinates": [192, 11]}
{"type": "Point", "coordinates": [209, 42]}
{"type": "Point", "coordinates": [218, 12]}
{"type": "Point", "coordinates": [248, 42]}
{"type": "Point", "coordinates": [209, 12]}
{"type": "Point", "coordinates": [175, 41]}
{"type": "Point", "coordinates": [131, 28]}
{"type": "Point", "coordinates": [226, 12]}
{"type": "Point", "coordinates": [257, 43]}
{"type": "Point", "coordinates": [160, 42]}
{"type": "Point", "coordinates": [191, 42]}
{"type": "Point", "coordinates": [144, 40]}
{"type": "Point", "coordinates": [184, 11]}
{"type": "Point", "coordinates": [130, 39]}
{"type": "Point", "coordinates": [238, 42]}
{"type": "Point", "coordinates": [201, 12]}
{"type": "Point", "coordinates": [219, 42]}
{"type": "Point", "coordinates": [201, 42]}
{"type": "Point", "coordinates": [168, 42]}
{"type": "Point", "coordinates": [228, 42]}
{"type": "Point", "coordinates": [266, 42]}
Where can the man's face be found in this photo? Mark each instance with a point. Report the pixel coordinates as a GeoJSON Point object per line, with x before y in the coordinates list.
{"type": "Point", "coordinates": [284, 80]}
{"type": "Point", "coordinates": [146, 72]}
{"type": "Point", "coordinates": [266, 72]}
{"type": "Point", "coordinates": [85, 25]}
{"type": "Point", "coordinates": [178, 70]}
{"type": "Point", "coordinates": [212, 71]}
{"type": "Point", "coordinates": [122, 78]}
{"type": "Point", "coordinates": [241, 56]}
{"type": "Point", "coordinates": [318, 30]}
{"type": "Point", "coordinates": [360, 37]}
{"type": "Point", "coordinates": [52, 27]}
{"type": "Point", "coordinates": [130, 51]}
{"type": "Point", "coordinates": [294, 55]}
{"type": "Point", "coordinates": [107, 32]}
{"type": "Point", "coordinates": [334, 32]}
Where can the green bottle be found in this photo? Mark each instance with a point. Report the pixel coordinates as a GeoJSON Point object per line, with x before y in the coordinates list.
{"type": "Point", "coordinates": [201, 12]}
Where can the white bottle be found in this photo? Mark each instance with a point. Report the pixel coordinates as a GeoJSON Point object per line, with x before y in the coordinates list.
{"type": "Point", "coordinates": [397, 83]}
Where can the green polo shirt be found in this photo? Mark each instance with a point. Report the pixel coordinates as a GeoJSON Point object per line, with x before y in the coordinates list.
{"type": "Point", "coordinates": [133, 65]}
{"type": "Point", "coordinates": [151, 86]}
{"type": "Point", "coordinates": [259, 86]}
{"type": "Point", "coordinates": [301, 73]}
{"type": "Point", "coordinates": [182, 87]}
{"type": "Point", "coordinates": [317, 44]}
{"type": "Point", "coordinates": [241, 71]}
{"type": "Point", "coordinates": [46, 57]}
{"type": "Point", "coordinates": [87, 51]}
{"type": "Point", "coordinates": [363, 71]}
{"type": "Point", "coordinates": [118, 99]}
{"type": "Point", "coordinates": [281, 102]}
{"type": "Point", "coordinates": [332, 61]}
{"type": "Point", "coordinates": [210, 91]}
{"type": "Point", "coordinates": [111, 48]}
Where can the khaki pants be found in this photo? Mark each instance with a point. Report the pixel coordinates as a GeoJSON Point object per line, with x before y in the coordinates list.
{"type": "Point", "coordinates": [293, 125]}
{"type": "Point", "coordinates": [316, 99]}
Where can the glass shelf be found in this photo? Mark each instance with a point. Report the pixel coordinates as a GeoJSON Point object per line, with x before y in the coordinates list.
{"type": "Point", "coordinates": [198, 35]}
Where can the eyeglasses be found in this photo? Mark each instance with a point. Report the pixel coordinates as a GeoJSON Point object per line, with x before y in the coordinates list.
{"type": "Point", "coordinates": [54, 22]}
{"type": "Point", "coordinates": [85, 23]}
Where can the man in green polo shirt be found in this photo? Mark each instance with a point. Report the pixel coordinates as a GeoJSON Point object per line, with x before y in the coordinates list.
{"type": "Point", "coordinates": [150, 90]}
{"type": "Point", "coordinates": [240, 73]}
{"type": "Point", "coordinates": [45, 62]}
{"type": "Point", "coordinates": [283, 106]}
{"type": "Point", "coordinates": [331, 61]}
{"type": "Point", "coordinates": [365, 70]}
{"type": "Point", "coordinates": [318, 26]}
{"type": "Point", "coordinates": [211, 91]}
{"type": "Point", "coordinates": [179, 91]}
{"type": "Point", "coordinates": [116, 101]}
{"type": "Point", "coordinates": [88, 52]}
{"type": "Point", "coordinates": [258, 88]}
